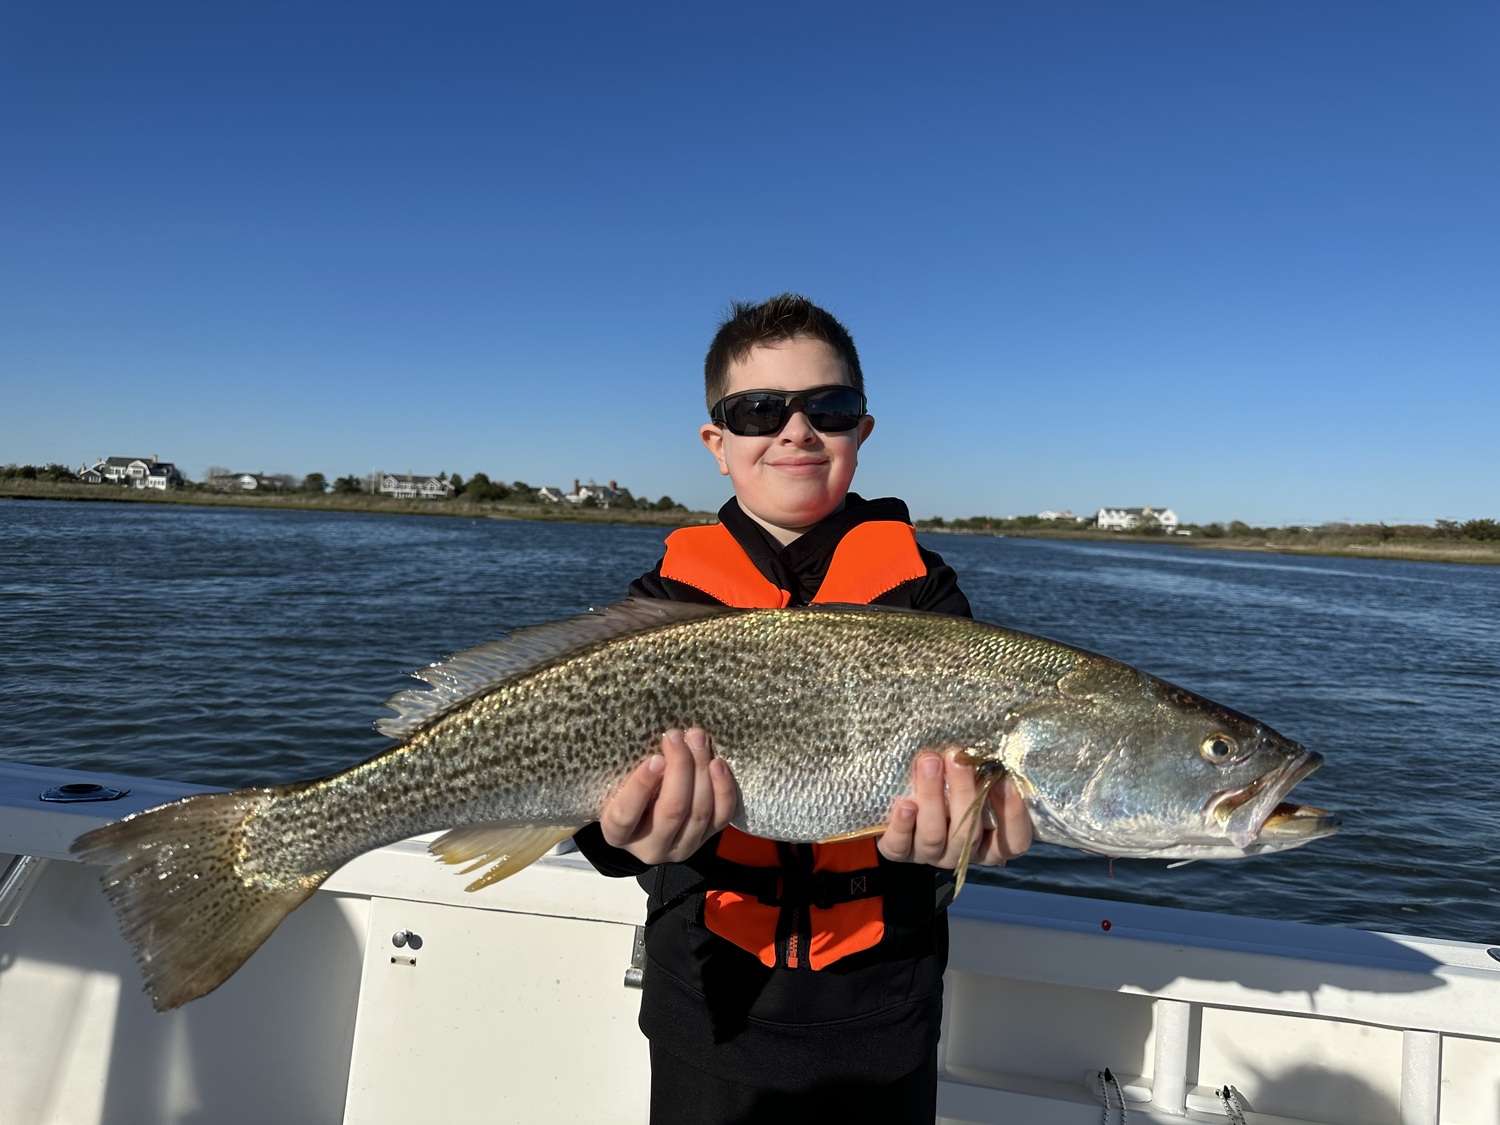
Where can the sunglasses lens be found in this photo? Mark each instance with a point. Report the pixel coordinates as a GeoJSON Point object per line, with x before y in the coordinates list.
{"type": "Point", "coordinates": [758, 413]}
{"type": "Point", "coordinates": [834, 411]}
{"type": "Point", "coordinates": [754, 414]}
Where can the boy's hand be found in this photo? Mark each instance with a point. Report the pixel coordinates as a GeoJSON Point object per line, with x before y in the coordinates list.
{"type": "Point", "coordinates": [930, 828]}
{"type": "Point", "coordinates": [673, 802]}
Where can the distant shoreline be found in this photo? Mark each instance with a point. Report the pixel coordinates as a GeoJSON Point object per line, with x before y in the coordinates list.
{"type": "Point", "coordinates": [351, 502]}
{"type": "Point", "coordinates": [1474, 554]}
{"type": "Point", "coordinates": [1409, 550]}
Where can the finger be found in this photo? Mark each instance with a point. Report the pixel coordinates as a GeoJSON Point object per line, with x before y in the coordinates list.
{"type": "Point", "coordinates": [726, 793]}
{"type": "Point", "coordinates": [675, 801]}
{"type": "Point", "coordinates": [896, 842]}
{"type": "Point", "coordinates": [931, 836]}
{"type": "Point", "coordinates": [1011, 834]}
{"type": "Point", "coordinates": [620, 819]}
{"type": "Point", "coordinates": [963, 787]}
{"type": "Point", "coordinates": [1014, 828]}
{"type": "Point", "coordinates": [699, 823]}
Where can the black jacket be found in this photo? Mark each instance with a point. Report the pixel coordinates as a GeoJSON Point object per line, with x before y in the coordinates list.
{"type": "Point", "coordinates": [870, 1017]}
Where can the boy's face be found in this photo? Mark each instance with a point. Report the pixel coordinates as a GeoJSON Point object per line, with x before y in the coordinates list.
{"type": "Point", "coordinates": [789, 480]}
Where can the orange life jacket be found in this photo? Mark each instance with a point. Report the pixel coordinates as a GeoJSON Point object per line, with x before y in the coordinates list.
{"type": "Point", "coordinates": [786, 909]}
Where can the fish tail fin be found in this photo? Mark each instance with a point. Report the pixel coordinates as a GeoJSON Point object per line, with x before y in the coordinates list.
{"type": "Point", "coordinates": [175, 879]}
{"type": "Point", "coordinates": [973, 824]}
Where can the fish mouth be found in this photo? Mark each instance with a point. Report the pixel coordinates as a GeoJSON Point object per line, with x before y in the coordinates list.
{"type": "Point", "coordinates": [1258, 813]}
{"type": "Point", "coordinates": [1290, 825]}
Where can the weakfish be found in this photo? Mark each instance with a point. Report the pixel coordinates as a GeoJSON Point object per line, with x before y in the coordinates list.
{"type": "Point", "coordinates": [819, 712]}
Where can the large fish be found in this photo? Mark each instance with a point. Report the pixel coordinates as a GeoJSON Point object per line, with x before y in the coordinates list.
{"type": "Point", "coordinates": [819, 712]}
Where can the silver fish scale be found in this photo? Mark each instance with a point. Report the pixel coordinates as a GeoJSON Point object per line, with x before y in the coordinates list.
{"type": "Point", "coordinates": [817, 712]}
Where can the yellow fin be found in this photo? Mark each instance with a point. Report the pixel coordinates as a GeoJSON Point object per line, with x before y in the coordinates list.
{"type": "Point", "coordinates": [858, 834]}
{"type": "Point", "coordinates": [508, 848]}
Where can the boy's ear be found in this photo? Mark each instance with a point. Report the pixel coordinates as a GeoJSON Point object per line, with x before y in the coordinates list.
{"type": "Point", "coordinates": [713, 438]}
{"type": "Point", "coordinates": [866, 424]}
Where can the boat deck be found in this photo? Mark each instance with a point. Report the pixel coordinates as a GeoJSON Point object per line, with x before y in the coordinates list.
{"type": "Point", "coordinates": [518, 1004]}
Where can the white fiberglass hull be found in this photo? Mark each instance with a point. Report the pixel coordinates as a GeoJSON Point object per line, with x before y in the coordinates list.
{"type": "Point", "coordinates": [516, 1004]}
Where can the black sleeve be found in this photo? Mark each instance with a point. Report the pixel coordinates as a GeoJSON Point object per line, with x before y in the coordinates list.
{"type": "Point", "coordinates": [607, 859]}
{"type": "Point", "coordinates": [653, 585]}
{"type": "Point", "coordinates": [936, 591]}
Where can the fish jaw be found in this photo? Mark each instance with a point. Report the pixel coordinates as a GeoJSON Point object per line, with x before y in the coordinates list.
{"type": "Point", "coordinates": [1244, 814]}
{"type": "Point", "coordinates": [1254, 820]}
{"type": "Point", "coordinates": [1291, 826]}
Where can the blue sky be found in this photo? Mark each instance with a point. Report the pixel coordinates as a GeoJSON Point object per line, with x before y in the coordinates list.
{"type": "Point", "coordinates": [1239, 258]}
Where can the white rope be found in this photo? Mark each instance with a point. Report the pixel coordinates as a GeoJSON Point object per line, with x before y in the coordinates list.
{"type": "Point", "coordinates": [1233, 1104]}
{"type": "Point", "coordinates": [1107, 1080]}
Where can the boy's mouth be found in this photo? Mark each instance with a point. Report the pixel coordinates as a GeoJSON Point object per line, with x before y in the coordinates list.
{"type": "Point", "coordinates": [799, 465]}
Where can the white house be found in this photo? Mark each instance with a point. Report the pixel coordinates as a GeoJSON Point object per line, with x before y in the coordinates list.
{"type": "Point", "coordinates": [1066, 515]}
{"type": "Point", "coordinates": [137, 472]}
{"type": "Point", "coordinates": [247, 482]}
{"type": "Point", "coordinates": [603, 495]}
{"type": "Point", "coordinates": [1128, 519]}
{"type": "Point", "coordinates": [412, 487]}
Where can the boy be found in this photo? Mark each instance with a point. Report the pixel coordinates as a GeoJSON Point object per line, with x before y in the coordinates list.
{"type": "Point", "coordinates": [784, 981]}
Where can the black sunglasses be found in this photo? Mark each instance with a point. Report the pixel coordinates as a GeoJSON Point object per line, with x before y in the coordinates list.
{"type": "Point", "coordinates": [831, 410]}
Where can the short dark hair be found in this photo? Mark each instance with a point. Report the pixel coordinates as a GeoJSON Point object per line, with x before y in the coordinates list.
{"type": "Point", "coordinates": [789, 316]}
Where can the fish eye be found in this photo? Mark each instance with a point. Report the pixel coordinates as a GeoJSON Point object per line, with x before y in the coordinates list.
{"type": "Point", "coordinates": [1218, 749]}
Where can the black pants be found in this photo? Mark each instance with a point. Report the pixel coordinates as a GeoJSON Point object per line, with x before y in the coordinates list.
{"type": "Point", "coordinates": [683, 1095]}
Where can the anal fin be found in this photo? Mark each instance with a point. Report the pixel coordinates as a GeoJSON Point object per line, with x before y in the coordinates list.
{"type": "Point", "coordinates": [508, 848]}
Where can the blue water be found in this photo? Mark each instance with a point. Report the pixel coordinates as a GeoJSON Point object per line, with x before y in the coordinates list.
{"type": "Point", "coordinates": [230, 647]}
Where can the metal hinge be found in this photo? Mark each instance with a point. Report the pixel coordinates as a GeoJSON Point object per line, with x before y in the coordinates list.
{"type": "Point", "coordinates": [637, 959]}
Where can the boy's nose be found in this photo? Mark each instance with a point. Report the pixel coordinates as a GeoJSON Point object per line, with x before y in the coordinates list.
{"type": "Point", "coordinates": [797, 428]}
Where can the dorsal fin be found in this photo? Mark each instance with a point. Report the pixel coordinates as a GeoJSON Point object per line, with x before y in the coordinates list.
{"type": "Point", "coordinates": [474, 671]}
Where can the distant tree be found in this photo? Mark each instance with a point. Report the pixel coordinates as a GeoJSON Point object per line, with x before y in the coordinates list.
{"type": "Point", "coordinates": [348, 486]}
{"type": "Point", "coordinates": [458, 484]}
{"type": "Point", "coordinates": [1240, 527]}
{"type": "Point", "coordinates": [480, 488]}
{"type": "Point", "coordinates": [57, 472]}
{"type": "Point", "coordinates": [28, 472]}
{"type": "Point", "coordinates": [666, 504]}
{"type": "Point", "coordinates": [315, 482]}
{"type": "Point", "coordinates": [1482, 529]}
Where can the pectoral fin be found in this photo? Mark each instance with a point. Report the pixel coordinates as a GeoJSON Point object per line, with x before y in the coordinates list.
{"type": "Point", "coordinates": [974, 823]}
{"type": "Point", "coordinates": [508, 848]}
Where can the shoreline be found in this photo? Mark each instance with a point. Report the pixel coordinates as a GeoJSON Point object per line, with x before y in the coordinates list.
{"type": "Point", "coordinates": [1459, 553]}
{"type": "Point", "coordinates": [356, 502]}
{"type": "Point", "coordinates": [1464, 553]}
